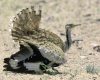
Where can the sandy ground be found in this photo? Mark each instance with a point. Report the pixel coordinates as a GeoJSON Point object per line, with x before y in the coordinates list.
{"type": "Point", "coordinates": [55, 15]}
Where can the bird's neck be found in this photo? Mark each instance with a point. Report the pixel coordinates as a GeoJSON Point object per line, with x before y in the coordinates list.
{"type": "Point", "coordinates": [68, 39]}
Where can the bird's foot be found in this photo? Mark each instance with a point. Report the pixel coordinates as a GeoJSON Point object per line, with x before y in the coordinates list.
{"type": "Point", "coordinates": [53, 71]}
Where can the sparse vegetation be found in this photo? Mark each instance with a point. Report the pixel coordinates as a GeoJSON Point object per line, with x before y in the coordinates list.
{"type": "Point", "coordinates": [91, 69]}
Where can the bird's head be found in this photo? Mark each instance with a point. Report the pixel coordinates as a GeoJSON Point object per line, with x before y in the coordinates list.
{"type": "Point", "coordinates": [71, 26]}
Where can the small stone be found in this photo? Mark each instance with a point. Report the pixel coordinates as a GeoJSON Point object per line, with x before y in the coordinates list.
{"type": "Point", "coordinates": [90, 54]}
{"type": "Point", "coordinates": [83, 57]}
{"type": "Point", "coordinates": [87, 15]}
{"type": "Point", "coordinates": [62, 34]}
{"type": "Point", "coordinates": [98, 20]}
{"type": "Point", "coordinates": [97, 48]}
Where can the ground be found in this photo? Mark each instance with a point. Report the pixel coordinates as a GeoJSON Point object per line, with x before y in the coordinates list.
{"type": "Point", "coordinates": [83, 61]}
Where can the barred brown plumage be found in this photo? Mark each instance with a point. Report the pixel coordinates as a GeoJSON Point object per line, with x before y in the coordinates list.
{"type": "Point", "coordinates": [37, 46]}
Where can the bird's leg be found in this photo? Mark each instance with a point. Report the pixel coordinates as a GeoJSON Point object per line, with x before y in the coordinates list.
{"type": "Point", "coordinates": [47, 66]}
{"type": "Point", "coordinates": [43, 67]}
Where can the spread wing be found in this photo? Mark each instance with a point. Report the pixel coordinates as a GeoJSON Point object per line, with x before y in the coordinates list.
{"type": "Point", "coordinates": [49, 51]}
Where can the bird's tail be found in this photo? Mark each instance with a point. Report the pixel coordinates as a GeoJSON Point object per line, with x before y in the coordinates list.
{"type": "Point", "coordinates": [25, 22]}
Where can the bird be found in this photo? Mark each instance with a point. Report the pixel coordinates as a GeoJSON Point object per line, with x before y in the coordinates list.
{"type": "Point", "coordinates": [40, 49]}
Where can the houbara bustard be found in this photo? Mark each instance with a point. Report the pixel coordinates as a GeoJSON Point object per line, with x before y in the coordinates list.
{"type": "Point", "coordinates": [40, 49]}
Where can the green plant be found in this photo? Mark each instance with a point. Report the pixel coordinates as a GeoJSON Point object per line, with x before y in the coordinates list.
{"type": "Point", "coordinates": [91, 69]}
